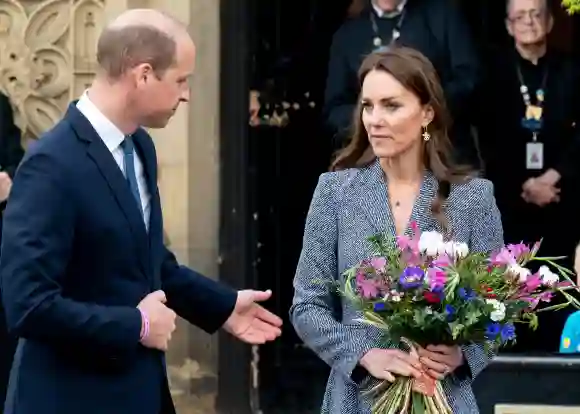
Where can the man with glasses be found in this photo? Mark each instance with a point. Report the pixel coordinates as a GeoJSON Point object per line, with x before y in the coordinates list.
{"type": "Point", "coordinates": [527, 113]}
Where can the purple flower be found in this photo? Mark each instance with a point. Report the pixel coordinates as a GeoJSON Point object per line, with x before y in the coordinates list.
{"type": "Point", "coordinates": [508, 332]}
{"type": "Point", "coordinates": [412, 277]}
{"type": "Point", "coordinates": [379, 306]}
{"type": "Point", "coordinates": [466, 294]}
{"type": "Point", "coordinates": [450, 311]}
{"type": "Point", "coordinates": [492, 330]}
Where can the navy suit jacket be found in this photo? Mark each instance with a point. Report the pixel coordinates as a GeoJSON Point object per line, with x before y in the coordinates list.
{"type": "Point", "coordinates": [76, 260]}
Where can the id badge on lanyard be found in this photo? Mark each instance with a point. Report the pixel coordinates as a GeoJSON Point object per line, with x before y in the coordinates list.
{"type": "Point", "coordinates": [533, 121]}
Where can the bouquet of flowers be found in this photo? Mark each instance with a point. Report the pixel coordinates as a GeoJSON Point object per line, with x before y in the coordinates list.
{"type": "Point", "coordinates": [422, 290]}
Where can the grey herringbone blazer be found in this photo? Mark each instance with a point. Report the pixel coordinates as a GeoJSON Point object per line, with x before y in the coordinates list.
{"type": "Point", "coordinates": [348, 206]}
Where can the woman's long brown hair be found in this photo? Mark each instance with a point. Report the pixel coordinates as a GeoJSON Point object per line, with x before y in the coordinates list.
{"type": "Point", "coordinates": [416, 73]}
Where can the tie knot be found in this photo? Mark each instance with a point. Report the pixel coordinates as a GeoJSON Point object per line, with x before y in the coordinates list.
{"type": "Point", "coordinates": [127, 145]}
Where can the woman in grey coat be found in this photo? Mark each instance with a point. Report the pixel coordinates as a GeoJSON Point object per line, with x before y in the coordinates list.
{"type": "Point", "coordinates": [395, 170]}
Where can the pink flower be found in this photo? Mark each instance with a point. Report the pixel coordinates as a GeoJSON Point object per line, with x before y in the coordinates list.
{"type": "Point", "coordinates": [546, 296]}
{"type": "Point", "coordinates": [503, 258]}
{"type": "Point", "coordinates": [518, 250]}
{"type": "Point", "coordinates": [368, 288]}
{"type": "Point", "coordinates": [533, 282]}
{"type": "Point", "coordinates": [442, 261]}
{"type": "Point", "coordinates": [379, 263]}
{"type": "Point", "coordinates": [403, 242]}
{"type": "Point", "coordinates": [436, 278]}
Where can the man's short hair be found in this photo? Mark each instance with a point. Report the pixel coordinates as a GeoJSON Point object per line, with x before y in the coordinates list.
{"type": "Point", "coordinates": [121, 49]}
{"type": "Point", "coordinates": [548, 7]}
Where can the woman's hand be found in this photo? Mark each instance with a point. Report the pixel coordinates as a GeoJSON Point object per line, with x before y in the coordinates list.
{"type": "Point", "coordinates": [440, 360]}
{"type": "Point", "coordinates": [383, 363]}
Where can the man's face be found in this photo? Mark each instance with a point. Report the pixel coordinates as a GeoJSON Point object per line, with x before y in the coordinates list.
{"type": "Point", "coordinates": [157, 99]}
{"type": "Point", "coordinates": [387, 5]}
{"type": "Point", "coordinates": [528, 21]}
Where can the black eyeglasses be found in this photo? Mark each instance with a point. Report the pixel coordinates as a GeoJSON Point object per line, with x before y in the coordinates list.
{"type": "Point", "coordinates": [528, 16]}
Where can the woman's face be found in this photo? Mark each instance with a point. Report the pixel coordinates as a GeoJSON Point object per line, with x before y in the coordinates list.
{"type": "Point", "coordinates": [392, 115]}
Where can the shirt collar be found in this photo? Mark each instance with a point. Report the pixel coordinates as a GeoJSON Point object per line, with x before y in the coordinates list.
{"type": "Point", "coordinates": [381, 13]}
{"type": "Point", "coordinates": [109, 133]}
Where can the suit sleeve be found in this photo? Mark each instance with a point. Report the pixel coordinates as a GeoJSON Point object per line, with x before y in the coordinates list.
{"type": "Point", "coordinates": [339, 97]}
{"type": "Point", "coordinates": [461, 80]}
{"type": "Point", "coordinates": [486, 237]}
{"type": "Point", "coordinates": [203, 302]}
{"type": "Point", "coordinates": [340, 345]}
{"type": "Point", "coordinates": [38, 234]}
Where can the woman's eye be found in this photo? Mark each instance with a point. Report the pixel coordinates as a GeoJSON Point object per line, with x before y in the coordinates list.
{"type": "Point", "coordinates": [366, 106]}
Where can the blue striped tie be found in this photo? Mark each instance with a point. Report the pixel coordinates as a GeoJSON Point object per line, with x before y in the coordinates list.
{"type": "Point", "coordinates": [129, 163]}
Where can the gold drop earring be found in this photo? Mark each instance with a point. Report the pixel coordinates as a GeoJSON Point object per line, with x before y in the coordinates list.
{"type": "Point", "coordinates": [426, 134]}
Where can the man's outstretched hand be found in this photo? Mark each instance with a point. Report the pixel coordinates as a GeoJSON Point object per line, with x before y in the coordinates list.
{"type": "Point", "coordinates": [250, 322]}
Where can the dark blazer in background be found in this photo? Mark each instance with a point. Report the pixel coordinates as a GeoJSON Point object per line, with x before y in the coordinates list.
{"type": "Point", "coordinates": [434, 27]}
{"type": "Point", "coordinates": [11, 153]}
{"type": "Point", "coordinates": [76, 260]}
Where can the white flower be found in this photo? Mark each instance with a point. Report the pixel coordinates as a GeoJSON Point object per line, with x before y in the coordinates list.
{"type": "Point", "coordinates": [521, 272]}
{"type": "Point", "coordinates": [498, 313]}
{"type": "Point", "coordinates": [431, 243]}
{"type": "Point", "coordinates": [548, 277]}
{"type": "Point", "coordinates": [396, 298]}
{"type": "Point", "coordinates": [456, 250]}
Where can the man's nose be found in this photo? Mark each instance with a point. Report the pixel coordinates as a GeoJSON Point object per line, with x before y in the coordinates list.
{"type": "Point", "coordinates": [184, 95]}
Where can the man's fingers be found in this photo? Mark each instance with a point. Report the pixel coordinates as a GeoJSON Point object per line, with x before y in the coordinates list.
{"type": "Point", "coordinates": [159, 295]}
{"type": "Point", "coordinates": [261, 296]}
{"type": "Point", "coordinates": [269, 317]}
{"type": "Point", "coordinates": [268, 331]}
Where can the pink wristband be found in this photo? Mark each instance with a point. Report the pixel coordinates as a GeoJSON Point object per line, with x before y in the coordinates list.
{"type": "Point", "coordinates": [144, 326]}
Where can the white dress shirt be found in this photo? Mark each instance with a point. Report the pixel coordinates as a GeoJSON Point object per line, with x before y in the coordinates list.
{"type": "Point", "coordinates": [112, 137]}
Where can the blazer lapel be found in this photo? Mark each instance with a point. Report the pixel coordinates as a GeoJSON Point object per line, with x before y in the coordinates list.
{"type": "Point", "coordinates": [114, 178]}
{"type": "Point", "coordinates": [374, 200]}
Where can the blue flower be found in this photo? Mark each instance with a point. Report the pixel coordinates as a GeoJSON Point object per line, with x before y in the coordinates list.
{"type": "Point", "coordinates": [450, 311]}
{"type": "Point", "coordinates": [379, 306]}
{"type": "Point", "coordinates": [412, 277]}
{"type": "Point", "coordinates": [508, 332]}
{"type": "Point", "coordinates": [492, 330]}
{"type": "Point", "coordinates": [466, 294]}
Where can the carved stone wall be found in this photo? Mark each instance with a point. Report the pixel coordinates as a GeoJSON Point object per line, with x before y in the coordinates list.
{"type": "Point", "coordinates": [47, 56]}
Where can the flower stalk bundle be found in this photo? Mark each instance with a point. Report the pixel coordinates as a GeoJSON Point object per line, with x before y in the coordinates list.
{"type": "Point", "coordinates": [420, 290]}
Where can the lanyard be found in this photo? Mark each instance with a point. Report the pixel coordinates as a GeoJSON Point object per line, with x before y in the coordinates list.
{"type": "Point", "coordinates": [377, 40]}
{"type": "Point", "coordinates": [534, 112]}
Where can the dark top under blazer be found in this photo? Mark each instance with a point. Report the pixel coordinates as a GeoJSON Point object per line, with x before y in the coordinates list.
{"type": "Point", "coordinates": [76, 260]}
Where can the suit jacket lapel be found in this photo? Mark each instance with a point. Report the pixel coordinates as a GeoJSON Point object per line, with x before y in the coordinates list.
{"type": "Point", "coordinates": [146, 151]}
{"type": "Point", "coordinates": [111, 172]}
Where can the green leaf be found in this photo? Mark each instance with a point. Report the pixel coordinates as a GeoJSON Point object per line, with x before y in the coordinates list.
{"type": "Point", "coordinates": [418, 403]}
{"type": "Point", "coordinates": [456, 329]}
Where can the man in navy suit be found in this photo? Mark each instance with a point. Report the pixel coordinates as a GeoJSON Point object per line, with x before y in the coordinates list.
{"type": "Point", "coordinates": [88, 286]}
